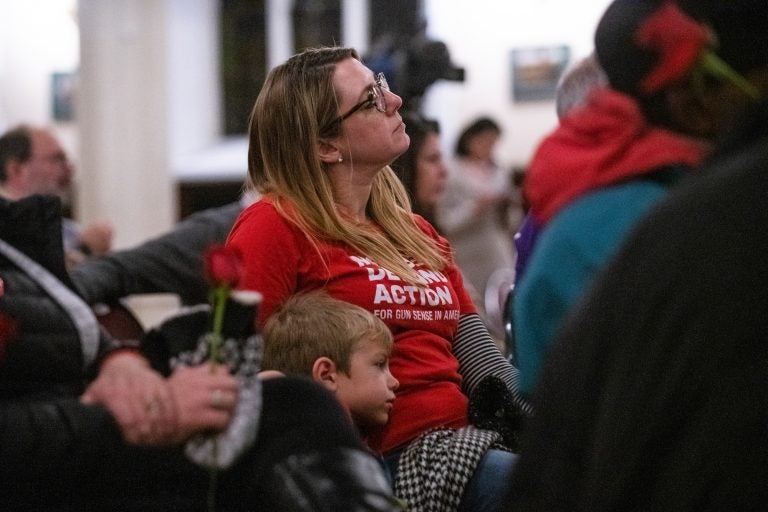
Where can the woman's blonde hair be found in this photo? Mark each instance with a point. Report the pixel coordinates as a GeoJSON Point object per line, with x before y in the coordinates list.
{"type": "Point", "coordinates": [297, 100]}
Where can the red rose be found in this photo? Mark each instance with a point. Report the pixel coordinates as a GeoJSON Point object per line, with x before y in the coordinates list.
{"type": "Point", "coordinates": [223, 266]}
{"type": "Point", "coordinates": [677, 38]}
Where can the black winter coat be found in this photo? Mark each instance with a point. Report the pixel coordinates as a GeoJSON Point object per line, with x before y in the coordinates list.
{"type": "Point", "coordinates": [46, 435]}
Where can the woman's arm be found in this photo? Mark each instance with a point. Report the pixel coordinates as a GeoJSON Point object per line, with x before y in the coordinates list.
{"type": "Point", "coordinates": [479, 357]}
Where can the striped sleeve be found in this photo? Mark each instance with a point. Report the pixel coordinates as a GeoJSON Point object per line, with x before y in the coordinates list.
{"type": "Point", "coordinates": [479, 357]}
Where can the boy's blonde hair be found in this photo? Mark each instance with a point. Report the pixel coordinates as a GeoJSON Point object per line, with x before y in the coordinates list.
{"type": "Point", "coordinates": [314, 324]}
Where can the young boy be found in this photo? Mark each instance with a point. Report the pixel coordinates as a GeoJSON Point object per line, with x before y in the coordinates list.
{"type": "Point", "coordinates": [339, 345]}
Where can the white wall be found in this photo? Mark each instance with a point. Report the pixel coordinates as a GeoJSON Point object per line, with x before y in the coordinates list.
{"type": "Point", "coordinates": [481, 39]}
{"type": "Point", "coordinates": [124, 117]}
{"type": "Point", "coordinates": [192, 57]}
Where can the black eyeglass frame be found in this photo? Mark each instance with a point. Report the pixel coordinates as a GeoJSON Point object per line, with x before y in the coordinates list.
{"type": "Point", "coordinates": [375, 97]}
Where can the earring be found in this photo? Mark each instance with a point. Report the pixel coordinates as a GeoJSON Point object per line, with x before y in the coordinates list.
{"type": "Point", "coordinates": [340, 159]}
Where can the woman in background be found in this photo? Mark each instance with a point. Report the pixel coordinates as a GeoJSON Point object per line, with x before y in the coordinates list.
{"type": "Point", "coordinates": [474, 210]}
{"type": "Point", "coordinates": [422, 168]}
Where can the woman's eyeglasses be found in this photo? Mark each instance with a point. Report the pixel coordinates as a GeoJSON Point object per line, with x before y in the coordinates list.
{"type": "Point", "coordinates": [375, 99]}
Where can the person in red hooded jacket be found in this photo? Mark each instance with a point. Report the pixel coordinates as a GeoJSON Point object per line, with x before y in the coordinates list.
{"type": "Point", "coordinates": [653, 396]}
{"type": "Point", "coordinates": [611, 160]}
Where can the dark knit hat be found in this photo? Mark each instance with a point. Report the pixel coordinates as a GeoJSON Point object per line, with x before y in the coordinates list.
{"type": "Point", "coordinates": [741, 29]}
{"type": "Point", "coordinates": [646, 45]}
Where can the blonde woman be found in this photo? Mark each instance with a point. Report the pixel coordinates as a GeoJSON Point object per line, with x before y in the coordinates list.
{"type": "Point", "coordinates": [333, 215]}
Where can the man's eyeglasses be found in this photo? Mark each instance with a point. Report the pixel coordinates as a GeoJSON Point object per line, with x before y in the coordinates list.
{"type": "Point", "coordinates": [375, 99]}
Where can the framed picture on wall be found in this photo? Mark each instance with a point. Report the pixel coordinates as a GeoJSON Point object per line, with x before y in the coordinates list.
{"type": "Point", "coordinates": [63, 96]}
{"type": "Point", "coordinates": [536, 72]}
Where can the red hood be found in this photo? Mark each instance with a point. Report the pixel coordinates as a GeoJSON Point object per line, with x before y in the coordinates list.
{"type": "Point", "coordinates": [605, 142]}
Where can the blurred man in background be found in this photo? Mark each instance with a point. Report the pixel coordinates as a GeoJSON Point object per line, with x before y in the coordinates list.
{"type": "Point", "coordinates": [32, 161]}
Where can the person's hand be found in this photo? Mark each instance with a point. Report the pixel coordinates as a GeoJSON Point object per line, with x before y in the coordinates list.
{"type": "Point", "coordinates": [139, 398]}
{"type": "Point", "coordinates": [97, 237]}
{"type": "Point", "coordinates": [205, 399]}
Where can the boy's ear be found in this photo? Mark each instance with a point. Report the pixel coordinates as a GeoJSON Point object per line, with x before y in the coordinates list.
{"type": "Point", "coordinates": [324, 372]}
{"type": "Point", "coordinates": [328, 151]}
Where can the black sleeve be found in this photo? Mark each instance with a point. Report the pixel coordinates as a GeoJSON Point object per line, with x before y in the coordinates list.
{"type": "Point", "coordinates": [302, 456]}
{"type": "Point", "coordinates": [50, 437]}
{"type": "Point", "coordinates": [171, 263]}
{"type": "Point", "coordinates": [479, 357]}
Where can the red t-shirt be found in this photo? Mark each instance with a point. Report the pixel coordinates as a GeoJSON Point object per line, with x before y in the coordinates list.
{"type": "Point", "coordinates": [280, 261]}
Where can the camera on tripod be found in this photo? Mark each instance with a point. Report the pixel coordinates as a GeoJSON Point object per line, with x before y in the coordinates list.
{"type": "Point", "coordinates": [414, 66]}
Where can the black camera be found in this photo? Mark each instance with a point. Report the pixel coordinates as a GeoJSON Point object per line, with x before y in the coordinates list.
{"type": "Point", "coordinates": [426, 62]}
{"type": "Point", "coordinates": [414, 66]}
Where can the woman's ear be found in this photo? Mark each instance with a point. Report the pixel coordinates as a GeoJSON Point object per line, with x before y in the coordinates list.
{"type": "Point", "coordinates": [324, 372]}
{"type": "Point", "coordinates": [329, 153]}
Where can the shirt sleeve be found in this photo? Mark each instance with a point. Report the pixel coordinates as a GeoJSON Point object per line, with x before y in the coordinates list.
{"type": "Point", "coordinates": [479, 357]}
{"type": "Point", "coordinates": [170, 263]}
{"type": "Point", "coordinates": [42, 436]}
{"type": "Point", "coordinates": [271, 250]}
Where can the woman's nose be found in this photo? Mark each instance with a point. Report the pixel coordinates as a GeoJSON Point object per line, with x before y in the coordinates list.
{"type": "Point", "coordinates": [393, 101]}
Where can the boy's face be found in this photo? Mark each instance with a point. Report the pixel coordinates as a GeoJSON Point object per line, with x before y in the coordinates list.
{"type": "Point", "coordinates": [368, 392]}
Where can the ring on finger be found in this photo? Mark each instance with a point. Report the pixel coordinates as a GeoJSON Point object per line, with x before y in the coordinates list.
{"type": "Point", "coordinates": [217, 399]}
{"type": "Point", "coordinates": [153, 407]}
